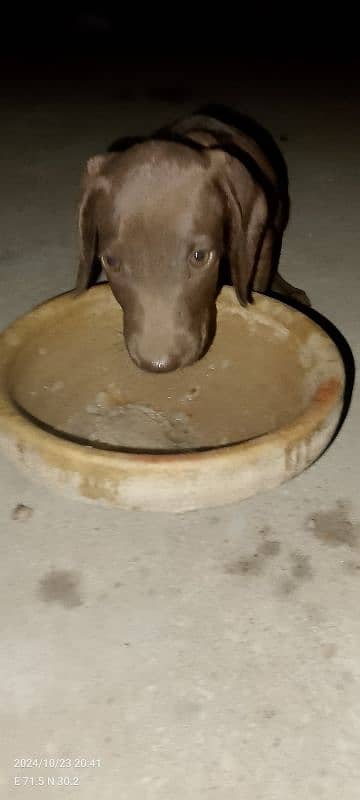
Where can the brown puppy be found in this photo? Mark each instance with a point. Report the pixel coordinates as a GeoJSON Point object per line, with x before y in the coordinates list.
{"type": "Point", "coordinates": [165, 216]}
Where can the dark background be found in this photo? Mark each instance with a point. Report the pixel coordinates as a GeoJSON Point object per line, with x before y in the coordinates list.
{"type": "Point", "coordinates": [135, 42]}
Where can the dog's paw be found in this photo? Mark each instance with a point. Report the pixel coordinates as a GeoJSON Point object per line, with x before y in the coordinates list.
{"type": "Point", "coordinates": [300, 297]}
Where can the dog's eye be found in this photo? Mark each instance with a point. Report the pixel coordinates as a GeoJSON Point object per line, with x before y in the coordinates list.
{"type": "Point", "coordinates": [110, 262]}
{"type": "Point", "coordinates": [199, 258]}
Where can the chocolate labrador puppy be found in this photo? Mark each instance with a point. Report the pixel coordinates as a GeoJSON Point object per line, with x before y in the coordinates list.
{"type": "Point", "coordinates": [169, 216]}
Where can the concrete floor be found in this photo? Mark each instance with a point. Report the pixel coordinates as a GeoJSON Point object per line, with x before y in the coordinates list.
{"type": "Point", "coordinates": [213, 654]}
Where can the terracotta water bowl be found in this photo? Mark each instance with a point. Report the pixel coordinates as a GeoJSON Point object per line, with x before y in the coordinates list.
{"type": "Point", "coordinates": [257, 410]}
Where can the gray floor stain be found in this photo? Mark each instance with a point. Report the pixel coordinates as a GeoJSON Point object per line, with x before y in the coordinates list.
{"type": "Point", "coordinates": [352, 567]}
{"type": "Point", "coordinates": [22, 512]}
{"type": "Point", "coordinates": [334, 527]}
{"type": "Point", "coordinates": [314, 614]}
{"type": "Point", "coordinates": [301, 568]}
{"type": "Point", "coordinates": [245, 566]}
{"type": "Point", "coordinates": [286, 587]}
{"type": "Point", "coordinates": [270, 548]}
{"type": "Point", "coordinates": [254, 564]}
{"type": "Point", "coordinates": [268, 712]}
{"type": "Point", "coordinates": [61, 587]}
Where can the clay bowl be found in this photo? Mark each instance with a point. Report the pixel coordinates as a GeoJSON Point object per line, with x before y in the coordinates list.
{"type": "Point", "coordinates": [254, 412]}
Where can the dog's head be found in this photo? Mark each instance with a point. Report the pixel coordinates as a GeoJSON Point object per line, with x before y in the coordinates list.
{"type": "Point", "coordinates": [161, 216]}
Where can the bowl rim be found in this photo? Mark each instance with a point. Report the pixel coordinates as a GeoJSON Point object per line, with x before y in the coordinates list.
{"type": "Point", "coordinates": [22, 434]}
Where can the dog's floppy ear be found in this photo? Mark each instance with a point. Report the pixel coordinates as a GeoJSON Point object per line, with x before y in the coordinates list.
{"type": "Point", "coordinates": [94, 181]}
{"type": "Point", "coordinates": [247, 214]}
